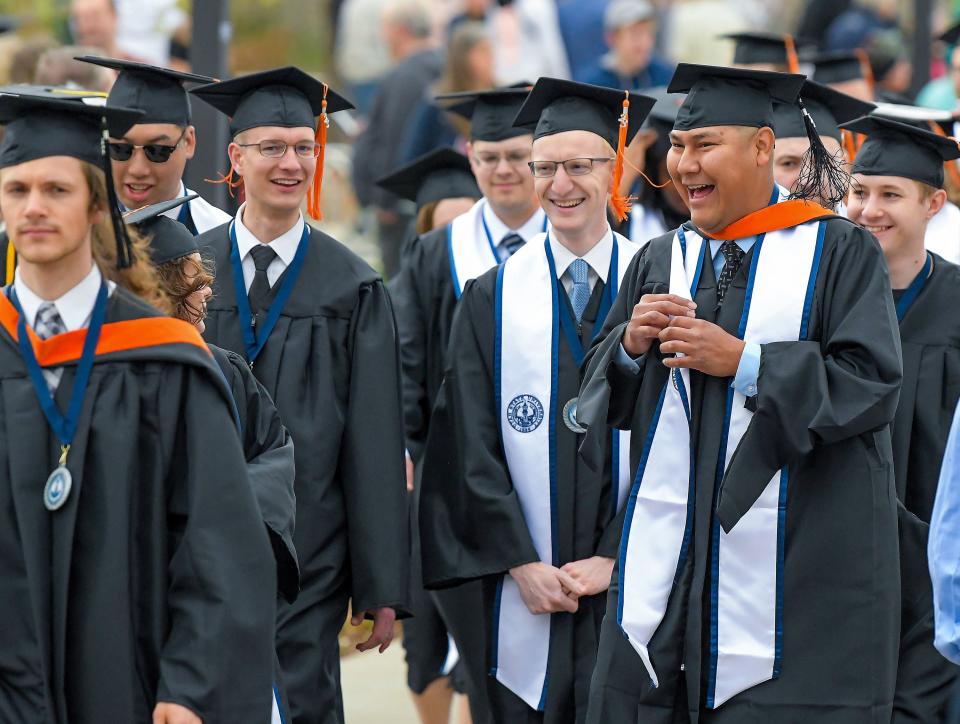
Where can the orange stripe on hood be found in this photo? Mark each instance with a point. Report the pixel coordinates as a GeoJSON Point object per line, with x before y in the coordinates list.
{"type": "Point", "coordinates": [775, 217]}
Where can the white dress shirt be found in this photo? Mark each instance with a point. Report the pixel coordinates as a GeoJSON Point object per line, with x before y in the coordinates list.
{"type": "Point", "coordinates": [284, 245]}
{"type": "Point", "coordinates": [598, 260]}
{"type": "Point", "coordinates": [498, 230]}
{"type": "Point", "coordinates": [75, 307]}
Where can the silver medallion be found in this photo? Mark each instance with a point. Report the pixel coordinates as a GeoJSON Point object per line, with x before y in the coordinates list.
{"type": "Point", "coordinates": [57, 489]}
{"type": "Point", "coordinates": [570, 417]}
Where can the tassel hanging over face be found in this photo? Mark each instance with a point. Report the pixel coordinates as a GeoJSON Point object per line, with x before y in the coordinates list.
{"type": "Point", "coordinates": [822, 177]}
{"type": "Point", "coordinates": [124, 246]}
{"type": "Point", "coordinates": [618, 203]}
{"type": "Point", "coordinates": [313, 195]}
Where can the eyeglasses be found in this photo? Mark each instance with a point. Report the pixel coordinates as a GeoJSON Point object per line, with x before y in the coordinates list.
{"type": "Point", "coordinates": [492, 160]}
{"type": "Point", "coordinates": [155, 152]}
{"type": "Point", "coordinates": [573, 166]}
{"type": "Point", "coordinates": [276, 149]}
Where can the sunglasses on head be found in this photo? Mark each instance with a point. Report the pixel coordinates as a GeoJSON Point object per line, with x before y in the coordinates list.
{"type": "Point", "coordinates": [154, 152]}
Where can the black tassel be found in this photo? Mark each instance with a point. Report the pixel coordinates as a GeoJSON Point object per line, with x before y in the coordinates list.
{"type": "Point", "coordinates": [124, 247]}
{"type": "Point", "coordinates": [823, 178]}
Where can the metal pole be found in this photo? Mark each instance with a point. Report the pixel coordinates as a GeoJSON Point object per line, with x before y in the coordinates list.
{"type": "Point", "coordinates": [209, 46]}
{"type": "Point", "coordinates": [922, 40]}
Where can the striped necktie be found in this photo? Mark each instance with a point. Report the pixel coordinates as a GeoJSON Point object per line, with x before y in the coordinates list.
{"type": "Point", "coordinates": [49, 324]}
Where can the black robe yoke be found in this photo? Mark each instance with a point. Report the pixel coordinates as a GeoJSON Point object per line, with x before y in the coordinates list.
{"type": "Point", "coordinates": [155, 581]}
{"type": "Point", "coordinates": [930, 335]}
{"type": "Point", "coordinates": [331, 367]}
{"type": "Point", "coordinates": [471, 522]}
{"type": "Point", "coordinates": [824, 407]}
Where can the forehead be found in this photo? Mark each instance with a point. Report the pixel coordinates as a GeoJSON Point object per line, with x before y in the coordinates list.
{"type": "Point", "coordinates": [717, 134]}
{"type": "Point", "coordinates": [277, 133]}
{"type": "Point", "coordinates": [517, 143]}
{"type": "Point", "coordinates": [879, 183]}
{"type": "Point", "coordinates": [154, 133]}
{"type": "Point", "coordinates": [792, 146]}
{"type": "Point", "coordinates": [50, 168]}
{"type": "Point", "coordinates": [569, 144]}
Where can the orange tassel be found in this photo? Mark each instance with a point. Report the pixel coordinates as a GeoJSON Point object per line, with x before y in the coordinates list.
{"type": "Point", "coordinates": [313, 195]}
{"type": "Point", "coordinates": [231, 182]}
{"type": "Point", "coordinates": [866, 68]}
{"type": "Point", "coordinates": [621, 204]}
{"type": "Point", "coordinates": [793, 62]}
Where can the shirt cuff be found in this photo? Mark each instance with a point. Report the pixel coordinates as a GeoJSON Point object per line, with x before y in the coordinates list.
{"type": "Point", "coordinates": [748, 371]}
{"type": "Point", "coordinates": [624, 362]}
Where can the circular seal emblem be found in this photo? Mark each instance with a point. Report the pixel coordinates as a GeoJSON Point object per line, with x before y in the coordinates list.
{"type": "Point", "coordinates": [57, 489]}
{"type": "Point", "coordinates": [570, 417]}
{"type": "Point", "coordinates": [525, 413]}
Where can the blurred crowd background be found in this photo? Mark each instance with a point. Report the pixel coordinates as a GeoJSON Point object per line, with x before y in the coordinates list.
{"type": "Point", "coordinates": [390, 57]}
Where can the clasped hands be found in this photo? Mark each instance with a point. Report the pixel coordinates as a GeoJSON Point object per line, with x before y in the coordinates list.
{"type": "Point", "coordinates": [548, 589]}
{"type": "Point", "coordinates": [671, 319]}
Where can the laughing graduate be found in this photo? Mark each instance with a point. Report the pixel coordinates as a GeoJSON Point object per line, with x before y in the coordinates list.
{"type": "Point", "coordinates": [136, 581]}
{"type": "Point", "coordinates": [505, 498]}
{"type": "Point", "coordinates": [316, 325]}
{"type": "Point", "coordinates": [897, 189]}
{"type": "Point", "coordinates": [754, 354]}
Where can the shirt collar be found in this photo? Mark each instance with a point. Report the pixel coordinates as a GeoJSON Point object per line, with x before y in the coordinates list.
{"type": "Point", "coordinates": [74, 307]}
{"type": "Point", "coordinates": [284, 245]}
{"type": "Point", "coordinates": [174, 213]}
{"type": "Point", "coordinates": [531, 227]}
{"type": "Point", "coordinates": [598, 258]}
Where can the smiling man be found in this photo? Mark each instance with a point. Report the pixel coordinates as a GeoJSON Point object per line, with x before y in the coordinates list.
{"type": "Point", "coordinates": [316, 325]}
{"type": "Point", "coordinates": [149, 161]}
{"type": "Point", "coordinates": [754, 354]}
{"type": "Point", "coordinates": [898, 178]}
{"type": "Point", "coordinates": [506, 498]}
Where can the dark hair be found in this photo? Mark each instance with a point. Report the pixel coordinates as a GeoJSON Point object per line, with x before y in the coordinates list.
{"type": "Point", "coordinates": [179, 278]}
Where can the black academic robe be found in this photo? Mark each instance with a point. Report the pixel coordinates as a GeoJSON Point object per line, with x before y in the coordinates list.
{"type": "Point", "coordinates": [471, 522]}
{"type": "Point", "coordinates": [331, 366]}
{"type": "Point", "coordinates": [155, 580]}
{"type": "Point", "coordinates": [824, 407]}
{"type": "Point", "coordinates": [425, 302]}
{"type": "Point", "coordinates": [930, 336]}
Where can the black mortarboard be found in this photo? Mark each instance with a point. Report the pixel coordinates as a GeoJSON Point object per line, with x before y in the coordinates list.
{"type": "Point", "coordinates": [556, 106]}
{"type": "Point", "coordinates": [721, 96]}
{"type": "Point", "coordinates": [951, 35]}
{"type": "Point", "coordinates": [440, 174]}
{"type": "Point", "coordinates": [768, 48]}
{"type": "Point", "coordinates": [169, 239]}
{"type": "Point", "coordinates": [40, 127]}
{"type": "Point", "coordinates": [664, 112]}
{"type": "Point", "coordinates": [490, 113]}
{"type": "Point", "coordinates": [918, 116]}
{"type": "Point", "coordinates": [285, 97]}
{"type": "Point", "coordinates": [828, 108]}
{"type": "Point", "coordinates": [158, 92]}
{"type": "Point", "coordinates": [837, 67]}
{"type": "Point", "coordinates": [899, 149]}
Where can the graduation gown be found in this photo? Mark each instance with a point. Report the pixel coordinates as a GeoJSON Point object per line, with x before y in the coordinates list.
{"type": "Point", "coordinates": [824, 407]}
{"type": "Point", "coordinates": [930, 336]}
{"type": "Point", "coordinates": [155, 580]}
{"type": "Point", "coordinates": [475, 528]}
{"type": "Point", "coordinates": [331, 367]}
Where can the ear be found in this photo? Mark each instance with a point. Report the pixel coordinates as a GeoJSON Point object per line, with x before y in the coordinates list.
{"type": "Point", "coordinates": [190, 142]}
{"type": "Point", "coordinates": [235, 154]}
{"type": "Point", "coordinates": [936, 203]}
{"type": "Point", "coordinates": [763, 144]}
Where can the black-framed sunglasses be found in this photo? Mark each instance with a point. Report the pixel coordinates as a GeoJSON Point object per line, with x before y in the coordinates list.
{"type": "Point", "coordinates": [573, 166]}
{"type": "Point", "coordinates": [154, 152]}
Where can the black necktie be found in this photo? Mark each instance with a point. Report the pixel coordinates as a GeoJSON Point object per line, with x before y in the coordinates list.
{"type": "Point", "coordinates": [512, 243]}
{"type": "Point", "coordinates": [259, 294]}
{"type": "Point", "coordinates": [733, 255]}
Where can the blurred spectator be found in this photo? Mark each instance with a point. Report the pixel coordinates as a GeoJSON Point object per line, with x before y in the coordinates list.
{"type": "Point", "coordinates": [817, 17]}
{"type": "Point", "coordinates": [696, 28]}
{"type": "Point", "coordinates": [855, 27]}
{"type": "Point", "coordinates": [631, 33]}
{"type": "Point", "coordinates": [24, 59]}
{"type": "Point", "coordinates": [468, 67]}
{"type": "Point", "coordinates": [581, 27]}
{"type": "Point", "coordinates": [360, 55]}
{"type": "Point", "coordinates": [526, 41]}
{"type": "Point", "coordinates": [93, 23]}
{"type": "Point", "coordinates": [943, 92]}
{"type": "Point", "coordinates": [471, 11]}
{"type": "Point", "coordinates": [58, 67]}
{"type": "Point", "coordinates": [406, 31]}
{"type": "Point", "coordinates": [145, 27]}
{"type": "Point", "coordinates": [180, 47]}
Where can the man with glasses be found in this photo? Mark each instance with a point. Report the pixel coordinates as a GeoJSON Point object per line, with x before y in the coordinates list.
{"type": "Point", "coordinates": [316, 325]}
{"type": "Point", "coordinates": [148, 162]}
{"type": "Point", "coordinates": [505, 497]}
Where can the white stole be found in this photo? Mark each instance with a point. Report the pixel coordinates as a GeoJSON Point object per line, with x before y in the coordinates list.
{"type": "Point", "coordinates": [469, 247]}
{"type": "Point", "coordinates": [526, 368]}
{"type": "Point", "coordinates": [746, 600]}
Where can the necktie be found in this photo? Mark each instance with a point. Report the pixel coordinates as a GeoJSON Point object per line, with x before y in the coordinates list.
{"type": "Point", "coordinates": [733, 255]}
{"type": "Point", "coordinates": [259, 294]}
{"type": "Point", "coordinates": [510, 244]}
{"type": "Point", "coordinates": [580, 291]}
{"type": "Point", "coordinates": [49, 324]}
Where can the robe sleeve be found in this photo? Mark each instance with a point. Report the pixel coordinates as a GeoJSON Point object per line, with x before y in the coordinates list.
{"type": "Point", "coordinates": [372, 459]}
{"type": "Point", "coordinates": [472, 524]}
{"type": "Point", "coordinates": [217, 659]}
{"type": "Point", "coordinates": [944, 550]}
{"type": "Point", "coordinates": [268, 448]}
{"type": "Point", "coordinates": [839, 386]}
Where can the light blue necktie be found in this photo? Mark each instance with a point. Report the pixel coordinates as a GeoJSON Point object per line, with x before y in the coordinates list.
{"type": "Point", "coordinates": [580, 291]}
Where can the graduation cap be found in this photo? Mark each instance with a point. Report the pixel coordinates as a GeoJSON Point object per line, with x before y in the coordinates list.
{"type": "Point", "coordinates": [557, 106]}
{"type": "Point", "coordinates": [169, 239]}
{"type": "Point", "coordinates": [769, 48]}
{"type": "Point", "coordinates": [440, 174]}
{"type": "Point", "coordinates": [158, 92]}
{"type": "Point", "coordinates": [63, 93]}
{"type": "Point", "coordinates": [899, 149]}
{"type": "Point", "coordinates": [285, 97]}
{"type": "Point", "coordinates": [828, 108]}
{"type": "Point", "coordinates": [841, 66]}
{"type": "Point", "coordinates": [490, 113]}
{"type": "Point", "coordinates": [39, 126]}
